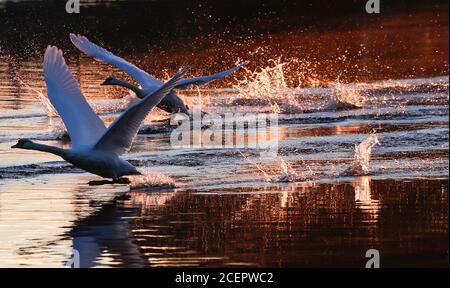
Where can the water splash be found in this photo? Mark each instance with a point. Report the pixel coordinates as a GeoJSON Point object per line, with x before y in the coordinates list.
{"type": "Point", "coordinates": [287, 172]}
{"type": "Point", "coordinates": [345, 97]}
{"type": "Point", "coordinates": [361, 160]}
{"type": "Point", "coordinates": [283, 172]}
{"type": "Point", "coordinates": [268, 86]}
{"type": "Point", "coordinates": [266, 174]}
{"type": "Point", "coordinates": [43, 99]}
{"type": "Point", "coordinates": [110, 107]}
{"type": "Point", "coordinates": [48, 107]}
{"type": "Point", "coordinates": [56, 125]}
{"type": "Point", "coordinates": [128, 100]}
{"type": "Point", "coordinates": [151, 179]}
{"type": "Point", "coordinates": [58, 128]}
{"type": "Point", "coordinates": [275, 89]}
{"type": "Point", "coordinates": [200, 99]}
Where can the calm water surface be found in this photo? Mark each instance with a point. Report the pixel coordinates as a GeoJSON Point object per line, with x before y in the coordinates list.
{"type": "Point", "coordinates": [222, 211]}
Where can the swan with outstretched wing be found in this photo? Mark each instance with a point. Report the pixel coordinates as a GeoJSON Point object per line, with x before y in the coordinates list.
{"type": "Point", "coordinates": [95, 148]}
{"type": "Point", "coordinates": [171, 103]}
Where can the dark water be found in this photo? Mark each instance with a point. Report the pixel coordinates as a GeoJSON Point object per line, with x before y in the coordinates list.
{"type": "Point", "coordinates": [286, 225]}
{"type": "Point", "coordinates": [215, 207]}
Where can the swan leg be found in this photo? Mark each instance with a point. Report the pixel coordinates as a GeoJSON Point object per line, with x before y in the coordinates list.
{"type": "Point", "coordinates": [98, 182]}
{"type": "Point", "coordinates": [120, 180]}
{"type": "Point", "coordinates": [123, 197]}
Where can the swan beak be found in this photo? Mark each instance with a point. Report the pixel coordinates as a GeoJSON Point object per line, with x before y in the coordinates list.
{"type": "Point", "coordinates": [15, 146]}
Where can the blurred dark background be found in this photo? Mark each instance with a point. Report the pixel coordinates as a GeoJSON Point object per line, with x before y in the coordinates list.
{"type": "Point", "coordinates": [160, 22]}
{"type": "Point", "coordinates": [167, 33]}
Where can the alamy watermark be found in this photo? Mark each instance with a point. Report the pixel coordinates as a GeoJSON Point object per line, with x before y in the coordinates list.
{"type": "Point", "coordinates": [374, 258]}
{"type": "Point", "coordinates": [257, 131]}
{"type": "Point", "coordinates": [373, 6]}
{"type": "Point", "coordinates": [73, 6]}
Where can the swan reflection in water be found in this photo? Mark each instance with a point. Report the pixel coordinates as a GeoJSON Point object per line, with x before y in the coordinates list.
{"type": "Point", "coordinates": [105, 238]}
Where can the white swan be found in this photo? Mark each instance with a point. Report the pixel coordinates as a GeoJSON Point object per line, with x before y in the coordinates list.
{"type": "Point", "coordinates": [95, 148]}
{"type": "Point", "coordinates": [171, 103]}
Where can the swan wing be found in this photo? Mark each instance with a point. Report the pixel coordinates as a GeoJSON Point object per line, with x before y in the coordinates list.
{"type": "Point", "coordinates": [101, 54]}
{"type": "Point", "coordinates": [83, 125]}
{"type": "Point", "coordinates": [121, 132]}
{"type": "Point", "coordinates": [183, 84]}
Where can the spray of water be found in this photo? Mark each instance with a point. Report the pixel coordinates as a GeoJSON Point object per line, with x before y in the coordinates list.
{"type": "Point", "coordinates": [43, 99]}
{"type": "Point", "coordinates": [151, 179]}
{"type": "Point", "coordinates": [268, 86]}
{"type": "Point", "coordinates": [275, 87]}
{"type": "Point", "coordinates": [344, 97]}
{"type": "Point", "coordinates": [284, 171]}
{"type": "Point", "coordinates": [287, 172]}
{"type": "Point", "coordinates": [361, 160]}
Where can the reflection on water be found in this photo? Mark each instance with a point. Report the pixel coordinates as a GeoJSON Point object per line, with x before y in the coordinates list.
{"type": "Point", "coordinates": [319, 225]}
{"type": "Point", "coordinates": [103, 239]}
{"type": "Point", "coordinates": [286, 225]}
{"type": "Point", "coordinates": [362, 191]}
{"type": "Point", "coordinates": [34, 218]}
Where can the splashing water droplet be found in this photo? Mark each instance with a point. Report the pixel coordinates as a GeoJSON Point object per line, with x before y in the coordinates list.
{"type": "Point", "coordinates": [128, 100]}
{"type": "Point", "coordinates": [48, 107]}
{"type": "Point", "coordinates": [268, 86]}
{"type": "Point", "coordinates": [361, 160]}
{"type": "Point", "coordinates": [285, 173]}
{"type": "Point", "coordinates": [151, 179]}
{"type": "Point", "coordinates": [344, 97]}
{"type": "Point", "coordinates": [43, 99]}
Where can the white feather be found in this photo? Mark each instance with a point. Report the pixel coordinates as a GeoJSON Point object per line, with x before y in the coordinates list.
{"type": "Point", "coordinates": [146, 80]}
{"type": "Point", "coordinates": [94, 148]}
{"type": "Point", "coordinates": [121, 132]}
{"type": "Point", "coordinates": [83, 125]}
{"type": "Point", "coordinates": [92, 50]}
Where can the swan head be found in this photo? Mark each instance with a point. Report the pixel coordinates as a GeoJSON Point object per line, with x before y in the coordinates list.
{"type": "Point", "coordinates": [178, 105]}
{"type": "Point", "coordinates": [23, 144]}
{"type": "Point", "coordinates": [111, 80]}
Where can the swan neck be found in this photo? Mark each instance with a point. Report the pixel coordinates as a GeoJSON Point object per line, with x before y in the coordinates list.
{"type": "Point", "coordinates": [128, 85]}
{"type": "Point", "coordinates": [46, 148]}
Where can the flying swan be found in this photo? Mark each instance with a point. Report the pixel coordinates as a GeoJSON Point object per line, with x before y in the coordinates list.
{"type": "Point", "coordinates": [95, 148]}
{"type": "Point", "coordinates": [172, 103]}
